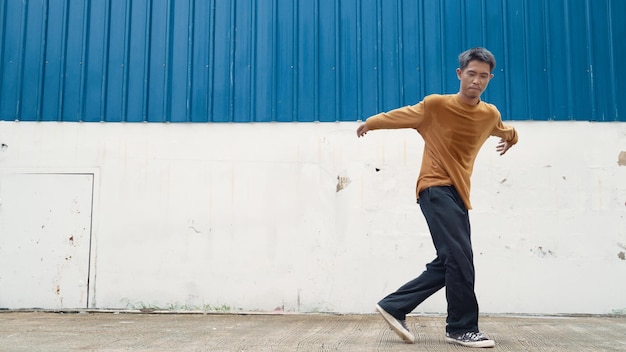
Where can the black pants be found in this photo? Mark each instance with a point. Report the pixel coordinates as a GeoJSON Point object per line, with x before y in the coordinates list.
{"type": "Point", "coordinates": [448, 221]}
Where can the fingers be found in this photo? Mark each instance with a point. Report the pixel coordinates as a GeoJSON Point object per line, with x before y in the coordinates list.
{"type": "Point", "coordinates": [503, 146]}
{"type": "Point", "coordinates": [362, 130]}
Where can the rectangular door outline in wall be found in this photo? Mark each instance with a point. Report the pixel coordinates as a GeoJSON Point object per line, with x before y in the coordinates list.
{"type": "Point", "coordinates": [45, 239]}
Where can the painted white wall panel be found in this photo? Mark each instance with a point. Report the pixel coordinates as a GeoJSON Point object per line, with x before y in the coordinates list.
{"type": "Point", "coordinates": [306, 217]}
{"type": "Point", "coordinates": [45, 229]}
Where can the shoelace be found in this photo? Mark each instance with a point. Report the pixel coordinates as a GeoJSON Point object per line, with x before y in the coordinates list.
{"type": "Point", "coordinates": [473, 336]}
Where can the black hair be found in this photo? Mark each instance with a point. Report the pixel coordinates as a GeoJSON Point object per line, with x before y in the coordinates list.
{"type": "Point", "coordinates": [477, 54]}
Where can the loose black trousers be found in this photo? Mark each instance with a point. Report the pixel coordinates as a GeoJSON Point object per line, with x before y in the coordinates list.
{"type": "Point", "coordinates": [448, 221]}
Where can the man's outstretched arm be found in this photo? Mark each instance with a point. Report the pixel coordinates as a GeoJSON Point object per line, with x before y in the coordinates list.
{"type": "Point", "coordinates": [405, 117]}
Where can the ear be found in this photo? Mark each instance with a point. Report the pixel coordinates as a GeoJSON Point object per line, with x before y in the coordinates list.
{"type": "Point", "coordinates": [458, 73]}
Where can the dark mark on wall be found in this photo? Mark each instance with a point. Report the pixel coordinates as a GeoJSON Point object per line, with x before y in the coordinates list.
{"type": "Point", "coordinates": [342, 182]}
{"type": "Point", "coordinates": [542, 253]}
{"type": "Point", "coordinates": [621, 255]}
{"type": "Point", "coordinates": [503, 181]}
{"type": "Point", "coordinates": [621, 159]}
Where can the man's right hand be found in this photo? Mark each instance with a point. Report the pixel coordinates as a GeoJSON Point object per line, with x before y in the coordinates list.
{"type": "Point", "coordinates": [362, 130]}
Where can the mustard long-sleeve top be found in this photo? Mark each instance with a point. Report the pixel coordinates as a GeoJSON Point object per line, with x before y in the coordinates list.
{"type": "Point", "coordinates": [453, 133]}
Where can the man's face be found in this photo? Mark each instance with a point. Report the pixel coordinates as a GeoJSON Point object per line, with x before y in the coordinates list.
{"type": "Point", "coordinates": [474, 79]}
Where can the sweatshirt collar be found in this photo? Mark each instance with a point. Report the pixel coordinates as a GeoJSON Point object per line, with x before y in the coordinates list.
{"type": "Point", "coordinates": [470, 106]}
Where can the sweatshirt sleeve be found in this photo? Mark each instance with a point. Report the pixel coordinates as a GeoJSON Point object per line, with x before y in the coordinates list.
{"type": "Point", "coordinates": [405, 117]}
{"type": "Point", "coordinates": [506, 132]}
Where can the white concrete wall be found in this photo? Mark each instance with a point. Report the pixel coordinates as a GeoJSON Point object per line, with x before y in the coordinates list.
{"type": "Point", "coordinates": [306, 217]}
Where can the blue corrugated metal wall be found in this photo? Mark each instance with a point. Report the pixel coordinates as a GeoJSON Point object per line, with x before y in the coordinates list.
{"type": "Point", "coordinates": [303, 60]}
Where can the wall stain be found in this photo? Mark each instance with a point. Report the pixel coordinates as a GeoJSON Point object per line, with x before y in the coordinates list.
{"type": "Point", "coordinates": [621, 255]}
{"type": "Point", "coordinates": [542, 253]}
{"type": "Point", "coordinates": [193, 227]}
{"type": "Point", "coordinates": [621, 159]}
{"type": "Point", "coordinates": [342, 182]}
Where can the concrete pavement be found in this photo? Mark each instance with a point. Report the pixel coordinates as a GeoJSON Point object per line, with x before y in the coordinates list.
{"type": "Point", "coordinates": [130, 331]}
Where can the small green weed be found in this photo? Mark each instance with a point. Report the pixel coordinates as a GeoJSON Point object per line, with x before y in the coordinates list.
{"type": "Point", "coordinates": [142, 306]}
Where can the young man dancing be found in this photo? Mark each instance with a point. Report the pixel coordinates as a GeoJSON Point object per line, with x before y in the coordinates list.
{"type": "Point", "coordinates": [454, 128]}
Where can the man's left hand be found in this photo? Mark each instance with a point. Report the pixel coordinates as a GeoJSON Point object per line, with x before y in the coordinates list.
{"type": "Point", "coordinates": [503, 146]}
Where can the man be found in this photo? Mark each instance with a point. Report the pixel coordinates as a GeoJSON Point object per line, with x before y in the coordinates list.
{"type": "Point", "coordinates": [454, 127]}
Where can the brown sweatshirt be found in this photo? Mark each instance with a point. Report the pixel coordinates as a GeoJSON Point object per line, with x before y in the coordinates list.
{"type": "Point", "coordinates": [453, 133]}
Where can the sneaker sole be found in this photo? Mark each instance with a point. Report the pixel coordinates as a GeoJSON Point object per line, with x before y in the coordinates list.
{"type": "Point", "coordinates": [477, 344]}
{"type": "Point", "coordinates": [405, 335]}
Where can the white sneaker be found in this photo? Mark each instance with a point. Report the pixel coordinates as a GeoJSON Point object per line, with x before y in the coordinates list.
{"type": "Point", "coordinates": [398, 326]}
{"type": "Point", "coordinates": [470, 339]}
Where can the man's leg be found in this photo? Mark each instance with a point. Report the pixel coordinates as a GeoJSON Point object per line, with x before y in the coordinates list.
{"type": "Point", "coordinates": [414, 292]}
{"type": "Point", "coordinates": [397, 305]}
{"type": "Point", "coordinates": [448, 221]}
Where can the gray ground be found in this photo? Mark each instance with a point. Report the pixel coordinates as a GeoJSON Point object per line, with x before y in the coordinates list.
{"type": "Point", "coordinates": [123, 331]}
